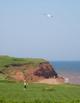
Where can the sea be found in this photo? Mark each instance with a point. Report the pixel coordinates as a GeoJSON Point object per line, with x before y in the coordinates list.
{"type": "Point", "coordinates": [68, 69]}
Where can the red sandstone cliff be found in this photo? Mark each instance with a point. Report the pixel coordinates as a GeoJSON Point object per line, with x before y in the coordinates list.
{"type": "Point", "coordinates": [31, 73]}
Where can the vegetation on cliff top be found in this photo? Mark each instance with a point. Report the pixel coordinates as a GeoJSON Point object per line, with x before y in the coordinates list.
{"type": "Point", "coordinates": [7, 60]}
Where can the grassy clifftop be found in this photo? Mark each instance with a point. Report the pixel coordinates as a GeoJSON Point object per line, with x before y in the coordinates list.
{"type": "Point", "coordinates": [6, 60]}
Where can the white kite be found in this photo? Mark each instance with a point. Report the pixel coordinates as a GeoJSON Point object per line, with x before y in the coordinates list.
{"type": "Point", "coordinates": [48, 15]}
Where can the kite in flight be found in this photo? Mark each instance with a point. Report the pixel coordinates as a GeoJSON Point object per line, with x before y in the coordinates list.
{"type": "Point", "coordinates": [48, 15]}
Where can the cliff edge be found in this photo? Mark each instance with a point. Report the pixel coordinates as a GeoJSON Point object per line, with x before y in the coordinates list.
{"type": "Point", "coordinates": [31, 70]}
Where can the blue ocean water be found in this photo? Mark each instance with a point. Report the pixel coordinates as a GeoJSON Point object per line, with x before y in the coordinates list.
{"type": "Point", "coordinates": [67, 66]}
{"type": "Point", "coordinates": [70, 69]}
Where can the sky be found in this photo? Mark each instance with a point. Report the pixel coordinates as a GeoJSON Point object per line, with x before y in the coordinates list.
{"type": "Point", "coordinates": [26, 32]}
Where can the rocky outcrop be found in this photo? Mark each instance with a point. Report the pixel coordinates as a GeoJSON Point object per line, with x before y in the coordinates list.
{"type": "Point", "coordinates": [42, 71]}
{"type": "Point", "coordinates": [31, 73]}
{"type": "Point", "coordinates": [45, 70]}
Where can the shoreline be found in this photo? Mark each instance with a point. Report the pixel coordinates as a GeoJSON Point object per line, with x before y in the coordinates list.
{"type": "Point", "coordinates": [74, 78]}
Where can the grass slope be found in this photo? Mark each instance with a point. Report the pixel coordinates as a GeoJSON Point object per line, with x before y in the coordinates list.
{"type": "Point", "coordinates": [38, 93]}
{"type": "Point", "coordinates": [6, 60]}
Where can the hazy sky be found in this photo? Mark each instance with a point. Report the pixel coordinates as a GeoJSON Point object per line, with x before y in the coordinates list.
{"type": "Point", "coordinates": [26, 32]}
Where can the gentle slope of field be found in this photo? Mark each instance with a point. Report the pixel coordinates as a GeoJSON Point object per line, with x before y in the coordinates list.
{"type": "Point", "coordinates": [11, 92]}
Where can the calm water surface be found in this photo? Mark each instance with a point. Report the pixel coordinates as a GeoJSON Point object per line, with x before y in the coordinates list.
{"type": "Point", "coordinates": [69, 69]}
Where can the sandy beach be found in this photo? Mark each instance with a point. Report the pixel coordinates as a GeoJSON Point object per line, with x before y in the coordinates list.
{"type": "Point", "coordinates": [74, 78]}
{"type": "Point", "coordinates": [68, 78]}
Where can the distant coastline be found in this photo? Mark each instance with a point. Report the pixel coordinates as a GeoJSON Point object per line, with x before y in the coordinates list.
{"type": "Point", "coordinates": [69, 69]}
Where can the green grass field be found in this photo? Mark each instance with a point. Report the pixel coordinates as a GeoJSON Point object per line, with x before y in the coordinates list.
{"type": "Point", "coordinates": [6, 60]}
{"type": "Point", "coordinates": [11, 92]}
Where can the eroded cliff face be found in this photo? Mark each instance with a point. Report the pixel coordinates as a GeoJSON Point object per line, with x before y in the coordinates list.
{"type": "Point", "coordinates": [42, 71]}
{"type": "Point", "coordinates": [45, 70]}
{"type": "Point", "coordinates": [31, 73]}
